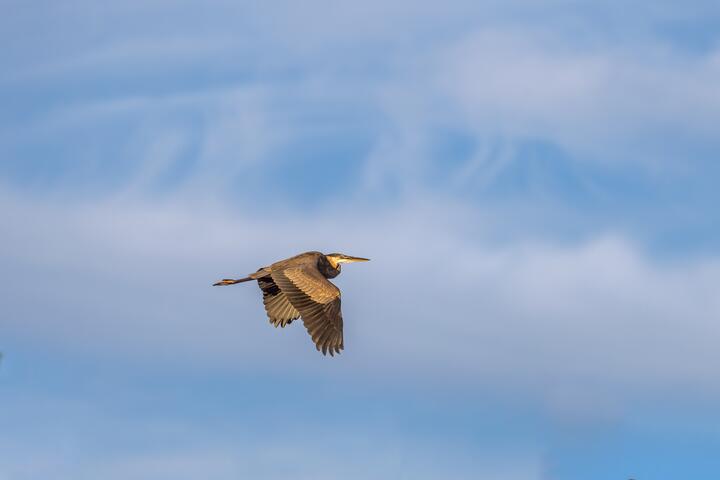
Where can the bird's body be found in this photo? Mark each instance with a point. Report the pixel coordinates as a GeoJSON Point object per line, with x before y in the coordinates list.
{"type": "Point", "coordinates": [299, 287]}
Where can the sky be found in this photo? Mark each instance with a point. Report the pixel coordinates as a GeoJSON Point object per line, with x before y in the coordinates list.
{"type": "Point", "coordinates": [535, 183]}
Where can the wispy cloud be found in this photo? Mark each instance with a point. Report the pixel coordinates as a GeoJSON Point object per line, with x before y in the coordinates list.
{"type": "Point", "coordinates": [510, 168]}
{"type": "Point", "coordinates": [135, 279]}
{"type": "Point", "coordinates": [602, 102]}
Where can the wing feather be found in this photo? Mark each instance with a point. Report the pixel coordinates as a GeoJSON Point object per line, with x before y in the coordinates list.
{"type": "Point", "coordinates": [318, 302]}
{"type": "Point", "coordinates": [279, 310]}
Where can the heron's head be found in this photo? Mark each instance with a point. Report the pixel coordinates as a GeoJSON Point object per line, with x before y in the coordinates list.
{"type": "Point", "coordinates": [336, 259]}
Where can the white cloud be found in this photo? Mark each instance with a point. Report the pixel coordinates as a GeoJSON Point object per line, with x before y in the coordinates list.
{"type": "Point", "coordinates": [133, 274]}
{"type": "Point", "coordinates": [125, 278]}
{"type": "Point", "coordinates": [133, 280]}
{"type": "Point", "coordinates": [488, 70]}
{"type": "Point", "coordinates": [598, 102]}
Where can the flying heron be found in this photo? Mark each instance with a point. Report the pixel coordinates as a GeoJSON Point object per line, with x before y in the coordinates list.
{"type": "Point", "coordinates": [299, 287]}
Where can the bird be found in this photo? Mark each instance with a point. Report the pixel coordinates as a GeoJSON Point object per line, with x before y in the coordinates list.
{"type": "Point", "coordinates": [299, 287]}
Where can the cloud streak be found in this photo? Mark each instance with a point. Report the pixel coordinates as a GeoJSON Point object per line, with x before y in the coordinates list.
{"type": "Point", "coordinates": [509, 167]}
{"type": "Point", "coordinates": [135, 279]}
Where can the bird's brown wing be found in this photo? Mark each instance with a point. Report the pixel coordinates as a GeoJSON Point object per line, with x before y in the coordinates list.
{"type": "Point", "coordinates": [279, 310]}
{"type": "Point", "coordinates": [318, 302]}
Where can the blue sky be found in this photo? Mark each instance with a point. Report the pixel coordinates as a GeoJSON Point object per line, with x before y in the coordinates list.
{"type": "Point", "coordinates": [535, 183]}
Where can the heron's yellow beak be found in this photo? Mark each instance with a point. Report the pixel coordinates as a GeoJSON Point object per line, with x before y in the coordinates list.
{"type": "Point", "coordinates": [336, 259]}
{"type": "Point", "coordinates": [349, 259]}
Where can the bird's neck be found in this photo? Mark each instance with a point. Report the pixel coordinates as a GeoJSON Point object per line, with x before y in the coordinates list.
{"type": "Point", "coordinates": [328, 267]}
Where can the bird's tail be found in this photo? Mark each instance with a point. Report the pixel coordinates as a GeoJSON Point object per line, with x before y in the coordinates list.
{"type": "Point", "coordinates": [230, 281]}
